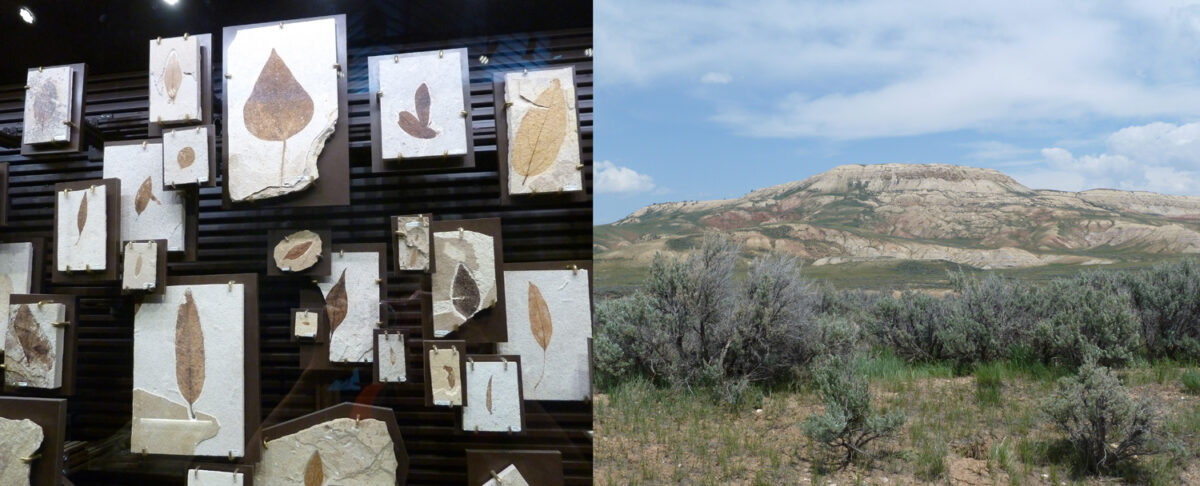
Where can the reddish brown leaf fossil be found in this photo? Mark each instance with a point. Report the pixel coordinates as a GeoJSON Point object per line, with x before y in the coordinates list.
{"type": "Point", "coordinates": [418, 126]}
{"type": "Point", "coordinates": [540, 324]}
{"type": "Point", "coordinates": [336, 303]}
{"type": "Point", "coordinates": [278, 107]}
{"type": "Point", "coordinates": [297, 251]}
{"type": "Point", "coordinates": [186, 157]}
{"type": "Point", "coordinates": [31, 338]}
{"type": "Point", "coordinates": [81, 217]}
{"type": "Point", "coordinates": [172, 75]}
{"type": "Point", "coordinates": [189, 352]}
{"type": "Point", "coordinates": [145, 194]}
{"type": "Point", "coordinates": [314, 472]}
{"type": "Point", "coordinates": [449, 375]}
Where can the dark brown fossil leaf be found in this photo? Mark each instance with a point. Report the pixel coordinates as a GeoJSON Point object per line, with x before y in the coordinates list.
{"type": "Point", "coordinates": [488, 402]}
{"type": "Point", "coordinates": [33, 341]}
{"type": "Point", "coordinates": [189, 352]}
{"type": "Point", "coordinates": [540, 324]}
{"type": "Point", "coordinates": [297, 251]}
{"type": "Point", "coordinates": [541, 133]}
{"type": "Point", "coordinates": [449, 375]}
{"type": "Point", "coordinates": [278, 106]}
{"type": "Point", "coordinates": [464, 292]}
{"type": "Point", "coordinates": [186, 157]}
{"type": "Point", "coordinates": [45, 100]}
{"type": "Point", "coordinates": [418, 126]}
{"type": "Point", "coordinates": [172, 75]}
{"type": "Point", "coordinates": [336, 303]}
{"type": "Point", "coordinates": [314, 472]}
{"type": "Point", "coordinates": [81, 217]}
{"type": "Point", "coordinates": [145, 194]}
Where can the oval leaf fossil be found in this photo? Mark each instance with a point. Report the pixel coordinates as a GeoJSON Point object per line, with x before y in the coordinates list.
{"type": "Point", "coordinates": [540, 324]}
{"type": "Point", "coordinates": [137, 266]}
{"type": "Point", "coordinates": [541, 133]}
{"type": "Point", "coordinates": [297, 251]}
{"type": "Point", "coordinates": [418, 126]}
{"type": "Point", "coordinates": [314, 471]}
{"type": "Point", "coordinates": [145, 194]}
{"type": "Point", "coordinates": [278, 107]}
{"type": "Point", "coordinates": [189, 352]}
{"type": "Point", "coordinates": [45, 101]}
{"type": "Point", "coordinates": [335, 303]}
{"type": "Point", "coordinates": [186, 157]}
{"type": "Point", "coordinates": [29, 334]}
{"type": "Point", "coordinates": [172, 75]}
{"type": "Point", "coordinates": [464, 292]}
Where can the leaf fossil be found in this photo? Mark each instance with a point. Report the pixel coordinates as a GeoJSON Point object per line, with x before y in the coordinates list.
{"type": "Point", "coordinates": [145, 194]}
{"type": "Point", "coordinates": [297, 251]}
{"type": "Point", "coordinates": [464, 292]}
{"type": "Point", "coordinates": [81, 217]}
{"type": "Point", "coordinates": [488, 400]}
{"type": "Point", "coordinates": [278, 107]}
{"type": "Point", "coordinates": [418, 126]}
{"type": "Point", "coordinates": [186, 157]}
{"type": "Point", "coordinates": [540, 324]}
{"type": "Point", "coordinates": [314, 471]}
{"type": "Point", "coordinates": [29, 335]}
{"type": "Point", "coordinates": [336, 303]}
{"type": "Point", "coordinates": [172, 75]}
{"type": "Point", "coordinates": [189, 352]}
{"type": "Point", "coordinates": [541, 133]}
{"type": "Point", "coordinates": [45, 101]}
{"type": "Point", "coordinates": [449, 375]}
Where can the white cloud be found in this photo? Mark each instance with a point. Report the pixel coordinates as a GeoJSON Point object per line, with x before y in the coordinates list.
{"type": "Point", "coordinates": [615, 179]}
{"type": "Point", "coordinates": [716, 78]}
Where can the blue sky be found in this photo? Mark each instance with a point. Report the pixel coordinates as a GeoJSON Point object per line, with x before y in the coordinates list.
{"type": "Point", "coordinates": [705, 100]}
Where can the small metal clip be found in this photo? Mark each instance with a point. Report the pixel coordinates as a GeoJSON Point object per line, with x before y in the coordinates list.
{"type": "Point", "coordinates": [43, 302]}
{"type": "Point", "coordinates": [439, 53]}
{"type": "Point", "coordinates": [144, 453]}
{"type": "Point", "coordinates": [30, 459]}
{"type": "Point", "coordinates": [231, 282]}
{"type": "Point", "coordinates": [185, 36]}
{"type": "Point", "coordinates": [379, 94]}
{"type": "Point", "coordinates": [463, 114]}
{"type": "Point", "coordinates": [265, 446]}
{"type": "Point", "coordinates": [143, 145]}
{"type": "Point", "coordinates": [505, 363]}
{"type": "Point", "coordinates": [228, 76]}
{"type": "Point", "coordinates": [357, 419]}
{"type": "Point", "coordinates": [460, 232]}
{"type": "Point", "coordinates": [495, 477]}
{"type": "Point", "coordinates": [507, 104]}
{"type": "Point", "coordinates": [400, 234]}
{"type": "Point", "coordinates": [578, 166]}
{"type": "Point", "coordinates": [281, 25]}
{"type": "Point", "coordinates": [68, 270]}
{"type": "Point", "coordinates": [378, 280]}
{"type": "Point", "coordinates": [396, 58]}
{"type": "Point", "coordinates": [230, 456]}
{"type": "Point", "coordinates": [60, 324]}
{"type": "Point", "coordinates": [524, 71]}
{"type": "Point", "coordinates": [510, 430]}
{"type": "Point", "coordinates": [574, 269]}
{"type": "Point", "coordinates": [92, 188]}
{"type": "Point", "coordinates": [69, 123]}
{"type": "Point", "coordinates": [27, 86]}
{"type": "Point", "coordinates": [159, 40]}
{"type": "Point", "coordinates": [159, 121]}
{"type": "Point", "coordinates": [471, 362]}
{"type": "Point", "coordinates": [314, 281]}
{"type": "Point", "coordinates": [342, 253]}
{"type": "Point", "coordinates": [399, 156]}
{"type": "Point", "coordinates": [40, 69]}
{"type": "Point", "coordinates": [196, 472]}
{"type": "Point", "coordinates": [337, 67]}
{"type": "Point", "coordinates": [285, 238]}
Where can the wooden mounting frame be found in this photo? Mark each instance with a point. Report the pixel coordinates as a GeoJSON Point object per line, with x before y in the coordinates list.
{"type": "Point", "coordinates": [375, 375]}
{"type": "Point", "coordinates": [76, 143]}
{"type": "Point", "coordinates": [512, 359]}
{"type": "Point", "coordinates": [427, 346]}
{"type": "Point", "coordinates": [351, 411]}
{"type": "Point", "coordinates": [488, 325]}
{"type": "Point", "coordinates": [51, 415]}
{"type": "Point", "coordinates": [155, 129]}
{"type": "Point", "coordinates": [212, 156]}
{"type": "Point", "coordinates": [537, 467]}
{"type": "Point", "coordinates": [379, 162]}
{"type": "Point", "coordinates": [322, 326]}
{"type": "Point", "coordinates": [112, 209]}
{"type": "Point", "coordinates": [396, 243]}
{"type": "Point", "coordinates": [319, 269]}
{"type": "Point", "coordinates": [332, 187]}
{"type": "Point", "coordinates": [70, 336]}
{"type": "Point", "coordinates": [160, 275]}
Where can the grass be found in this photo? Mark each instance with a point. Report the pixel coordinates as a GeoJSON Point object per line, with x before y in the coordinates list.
{"type": "Point", "coordinates": [1190, 380]}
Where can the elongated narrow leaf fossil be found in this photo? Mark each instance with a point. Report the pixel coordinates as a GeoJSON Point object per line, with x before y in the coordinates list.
{"type": "Point", "coordinates": [172, 76]}
{"type": "Point", "coordinates": [278, 107]}
{"type": "Point", "coordinates": [464, 292]}
{"type": "Point", "coordinates": [144, 195]}
{"type": "Point", "coordinates": [418, 126]}
{"type": "Point", "coordinates": [137, 266]}
{"type": "Point", "coordinates": [314, 472]}
{"type": "Point", "coordinates": [541, 133]}
{"type": "Point", "coordinates": [392, 354]}
{"type": "Point", "coordinates": [297, 251]}
{"type": "Point", "coordinates": [336, 303]}
{"type": "Point", "coordinates": [189, 352]}
{"type": "Point", "coordinates": [488, 401]}
{"type": "Point", "coordinates": [29, 334]}
{"type": "Point", "coordinates": [540, 324]}
{"type": "Point", "coordinates": [186, 157]}
{"type": "Point", "coordinates": [81, 217]}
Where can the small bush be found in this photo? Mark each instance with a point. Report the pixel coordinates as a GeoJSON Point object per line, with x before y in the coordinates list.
{"type": "Point", "coordinates": [848, 423]}
{"type": "Point", "coordinates": [910, 325]}
{"type": "Point", "coordinates": [1191, 381]}
{"type": "Point", "coordinates": [1103, 423]}
{"type": "Point", "coordinates": [1087, 323]}
{"type": "Point", "coordinates": [1167, 299]}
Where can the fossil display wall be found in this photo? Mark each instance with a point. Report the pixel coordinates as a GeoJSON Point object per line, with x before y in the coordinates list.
{"type": "Point", "coordinates": [541, 228]}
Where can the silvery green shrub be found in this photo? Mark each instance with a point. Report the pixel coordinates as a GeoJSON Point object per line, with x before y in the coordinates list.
{"type": "Point", "coordinates": [1103, 423]}
{"type": "Point", "coordinates": [848, 423]}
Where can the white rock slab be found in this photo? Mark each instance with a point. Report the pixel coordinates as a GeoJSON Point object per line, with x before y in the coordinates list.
{"type": "Point", "coordinates": [306, 324]}
{"type": "Point", "coordinates": [275, 152]}
{"type": "Point", "coordinates": [474, 252]}
{"type": "Point", "coordinates": [444, 132]}
{"type": "Point", "coordinates": [412, 248]}
{"type": "Point", "coordinates": [140, 268]}
{"type": "Point", "coordinates": [298, 251]}
{"type": "Point", "coordinates": [33, 348]}
{"type": "Point", "coordinates": [502, 409]}
{"type": "Point", "coordinates": [79, 249]}
{"type": "Point", "coordinates": [221, 314]}
{"type": "Point", "coordinates": [392, 358]}
{"type": "Point", "coordinates": [523, 90]}
{"type": "Point", "coordinates": [16, 268]}
{"type": "Point", "coordinates": [353, 339]}
{"type": "Point", "coordinates": [352, 453]}
{"type": "Point", "coordinates": [47, 105]}
{"type": "Point", "coordinates": [18, 439]}
{"type": "Point", "coordinates": [509, 476]}
{"type": "Point", "coordinates": [205, 477]}
{"type": "Point", "coordinates": [162, 215]}
{"type": "Point", "coordinates": [175, 80]}
{"type": "Point", "coordinates": [561, 370]}
{"type": "Point", "coordinates": [446, 378]}
{"type": "Point", "coordinates": [185, 156]}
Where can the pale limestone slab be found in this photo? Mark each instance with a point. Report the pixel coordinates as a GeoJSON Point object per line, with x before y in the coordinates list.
{"type": "Point", "coordinates": [353, 340]}
{"type": "Point", "coordinates": [475, 252]}
{"type": "Point", "coordinates": [399, 78]}
{"type": "Point", "coordinates": [205, 477]}
{"type": "Point", "coordinates": [499, 412]}
{"type": "Point", "coordinates": [446, 378]}
{"type": "Point", "coordinates": [561, 370]}
{"type": "Point", "coordinates": [304, 259]}
{"type": "Point", "coordinates": [221, 311]}
{"type": "Point", "coordinates": [509, 476]}
{"type": "Point", "coordinates": [80, 249]}
{"type": "Point", "coordinates": [392, 358]}
{"type": "Point", "coordinates": [174, 431]}
{"type": "Point", "coordinates": [306, 324]}
{"type": "Point", "coordinates": [47, 105]}
{"type": "Point", "coordinates": [185, 156]}
{"type": "Point", "coordinates": [522, 90]}
{"type": "Point", "coordinates": [412, 248]}
{"type": "Point", "coordinates": [162, 215]}
{"type": "Point", "coordinates": [33, 348]}
{"type": "Point", "coordinates": [352, 452]}
{"type": "Point", "coordinates": [16, 268]}
{"type": "Point", "coordinates": [168, 57]}
{"type": "Point", "coordinates": [18, 439]}
{"type": "Point", "coordinates": [140, 268]}
{"type": "Point", "coordinates": [263, 168]}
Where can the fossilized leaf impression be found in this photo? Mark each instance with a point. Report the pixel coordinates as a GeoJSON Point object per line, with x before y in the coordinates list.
{"type": "Point", "coordinates": [48, 105]}
{"type": "Point", "coordinates": [299, 251]}
{"type": "Point", "coordinates": [140, 269]}
{"type": "Point", "coordinates": [175, 80]}
{"type": "Point", "coordinates": [33, 346]}
{"type": "Point", "coordinates": [341, 451]}
{"type": "Point", "coordinates": [493, 402]}
{"type": "Point", "coordinates": [352, 305]}
{"type": "Point", "coordinates": [81, 237]}
{"type": "Point", "coordinates": [543, 137]}
{"type": "Point", "coordinates": [283, 94]}
{"type": "Point", "coordinates": [16, 267]}
{"type": "Point", "coordinates": [147, 211]}
{"type": "Point", "coordinates": [464, 281]}
{"type": "Point", "coordinates": [444, 371]}
{"type": "Point", "coordinates": [306, 324]}
{"type": "Point", "coordinates": [412, 244]}
{"type": "Point", "coordinates": [189, 352]}
{"type": "Point", "coordinates": [186, 156]}
{"type": "Point", "coordinates": [392, 365]}
{"type": "Point", "coordinates": [549, 323]}
{"type": "Point", "coordinates": [421, 109]}
{"type": "Point", "coordinates": [19, 438]}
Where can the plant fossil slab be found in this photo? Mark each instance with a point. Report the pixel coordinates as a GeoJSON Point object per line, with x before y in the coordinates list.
{"type": "Point", "coordinates": [48, 105]}
{"type": "Point", "coordinates": [206, 477]}
{"type": "Point", "coordinates": [352, 305]}
{"type": "Point", "coordinates": [33, 345]}
{"type": "Point", "coordinates": [298, 251]}
{"type": "Point", "coordinates": [81, 237]}
{"type": "Point", "coordinates": [189, 371]}
{"type": "Point", "coordinates": [464, 280]}
{"type": "Point", "coordinates": [421, 109]}
{"type": "Point", "coordinates": [493, 397]}
{"type": "Point", "coordinates": [543, 132]}
{"type": "Point", "coordinates": [175, 79]}
{"type": "Point", "coordinates": [392, 357]}
{"type": "Point", "coordinates": [18, 439]}
{"type": "Point", "coordinates": [340, 451]}
{"type": "Point", "coordinates": [307, 324]}
{"type": "Point", "coordinates": [549, 323]}
{"type": "Point", "coordinates": [445, 371]}
{"type": "Point", "coordinates": [16, 268]}
{"type": "Point", "coordinates": [140, 268]}
{"type": "Point", "coordinates": [282, 91]}
{"type": "Point", "coordinates": [185, 156]}
{"type": "Point", "coordinates": [509, 476]}
{"type": "Point", "coordinates": [147, 211]}
{"type": "Point", "coordinates": [412, 246]}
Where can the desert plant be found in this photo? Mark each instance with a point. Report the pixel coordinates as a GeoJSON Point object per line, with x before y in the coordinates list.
{"type": "Point", "coordinates": [909, 324]}
{"type": "Point", "coordinates": [848, 423]}
{"type": "Point", "coordinates": [1191, 381]}
{"type": "Point", "coordinates": [1167, 299]}
{"type": "Point", "coordinates": [1087, 323]}
{"type": "Point", "coordinates": [1103, 423]}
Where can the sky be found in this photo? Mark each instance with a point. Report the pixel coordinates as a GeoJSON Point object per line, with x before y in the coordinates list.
{"type": "Point", "coordinates": [701, 100]}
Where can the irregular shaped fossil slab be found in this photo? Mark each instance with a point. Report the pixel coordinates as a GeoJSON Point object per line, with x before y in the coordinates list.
{"type": "Point", "coordinates": [549, 323]}
{"type": "Point", "coordinates": [140, 268]}
{"type": "Point", "coordinates": [493, 397]}
{"type": "Point", "coordinates": [421, 111]}
{"type": "Point", "coordinates": [48, 105]}
{"type": "Point", "coordinates": [445, 370]}
{"type": "Point", "coordinates": [18, 439]}
{"type": "Point", "coordinates": [354, 277]}
{"type": "Point", "coordinates": [543, 132]}
{"type": "Point", "coordinates": [298, 251]}
{"type": "Point", "coordinates": [173, 431]}
{"type": "Point", "coordinates": [81, 237]}
{"type": "Point", "coordinates": [307, 324]}
{"type": "Point", "coordinates": [464, 280]}
{"type": "Point", "coordinates": [350, 452]}
{"type": "Point", "coordinates": [283, 106]}
{"type": "Point", "coordinates": [33, 346]}
{"type": "Point", "coordinates": [175, 79]}
{"type": "Point", "coordinates": [16, 270]}
{"type": "Point", "coordinates": [412, 244]}
{"type": "Point", "coordinates": [185, 156]}
{"type": "Point", "coordinates": [147, 211]}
